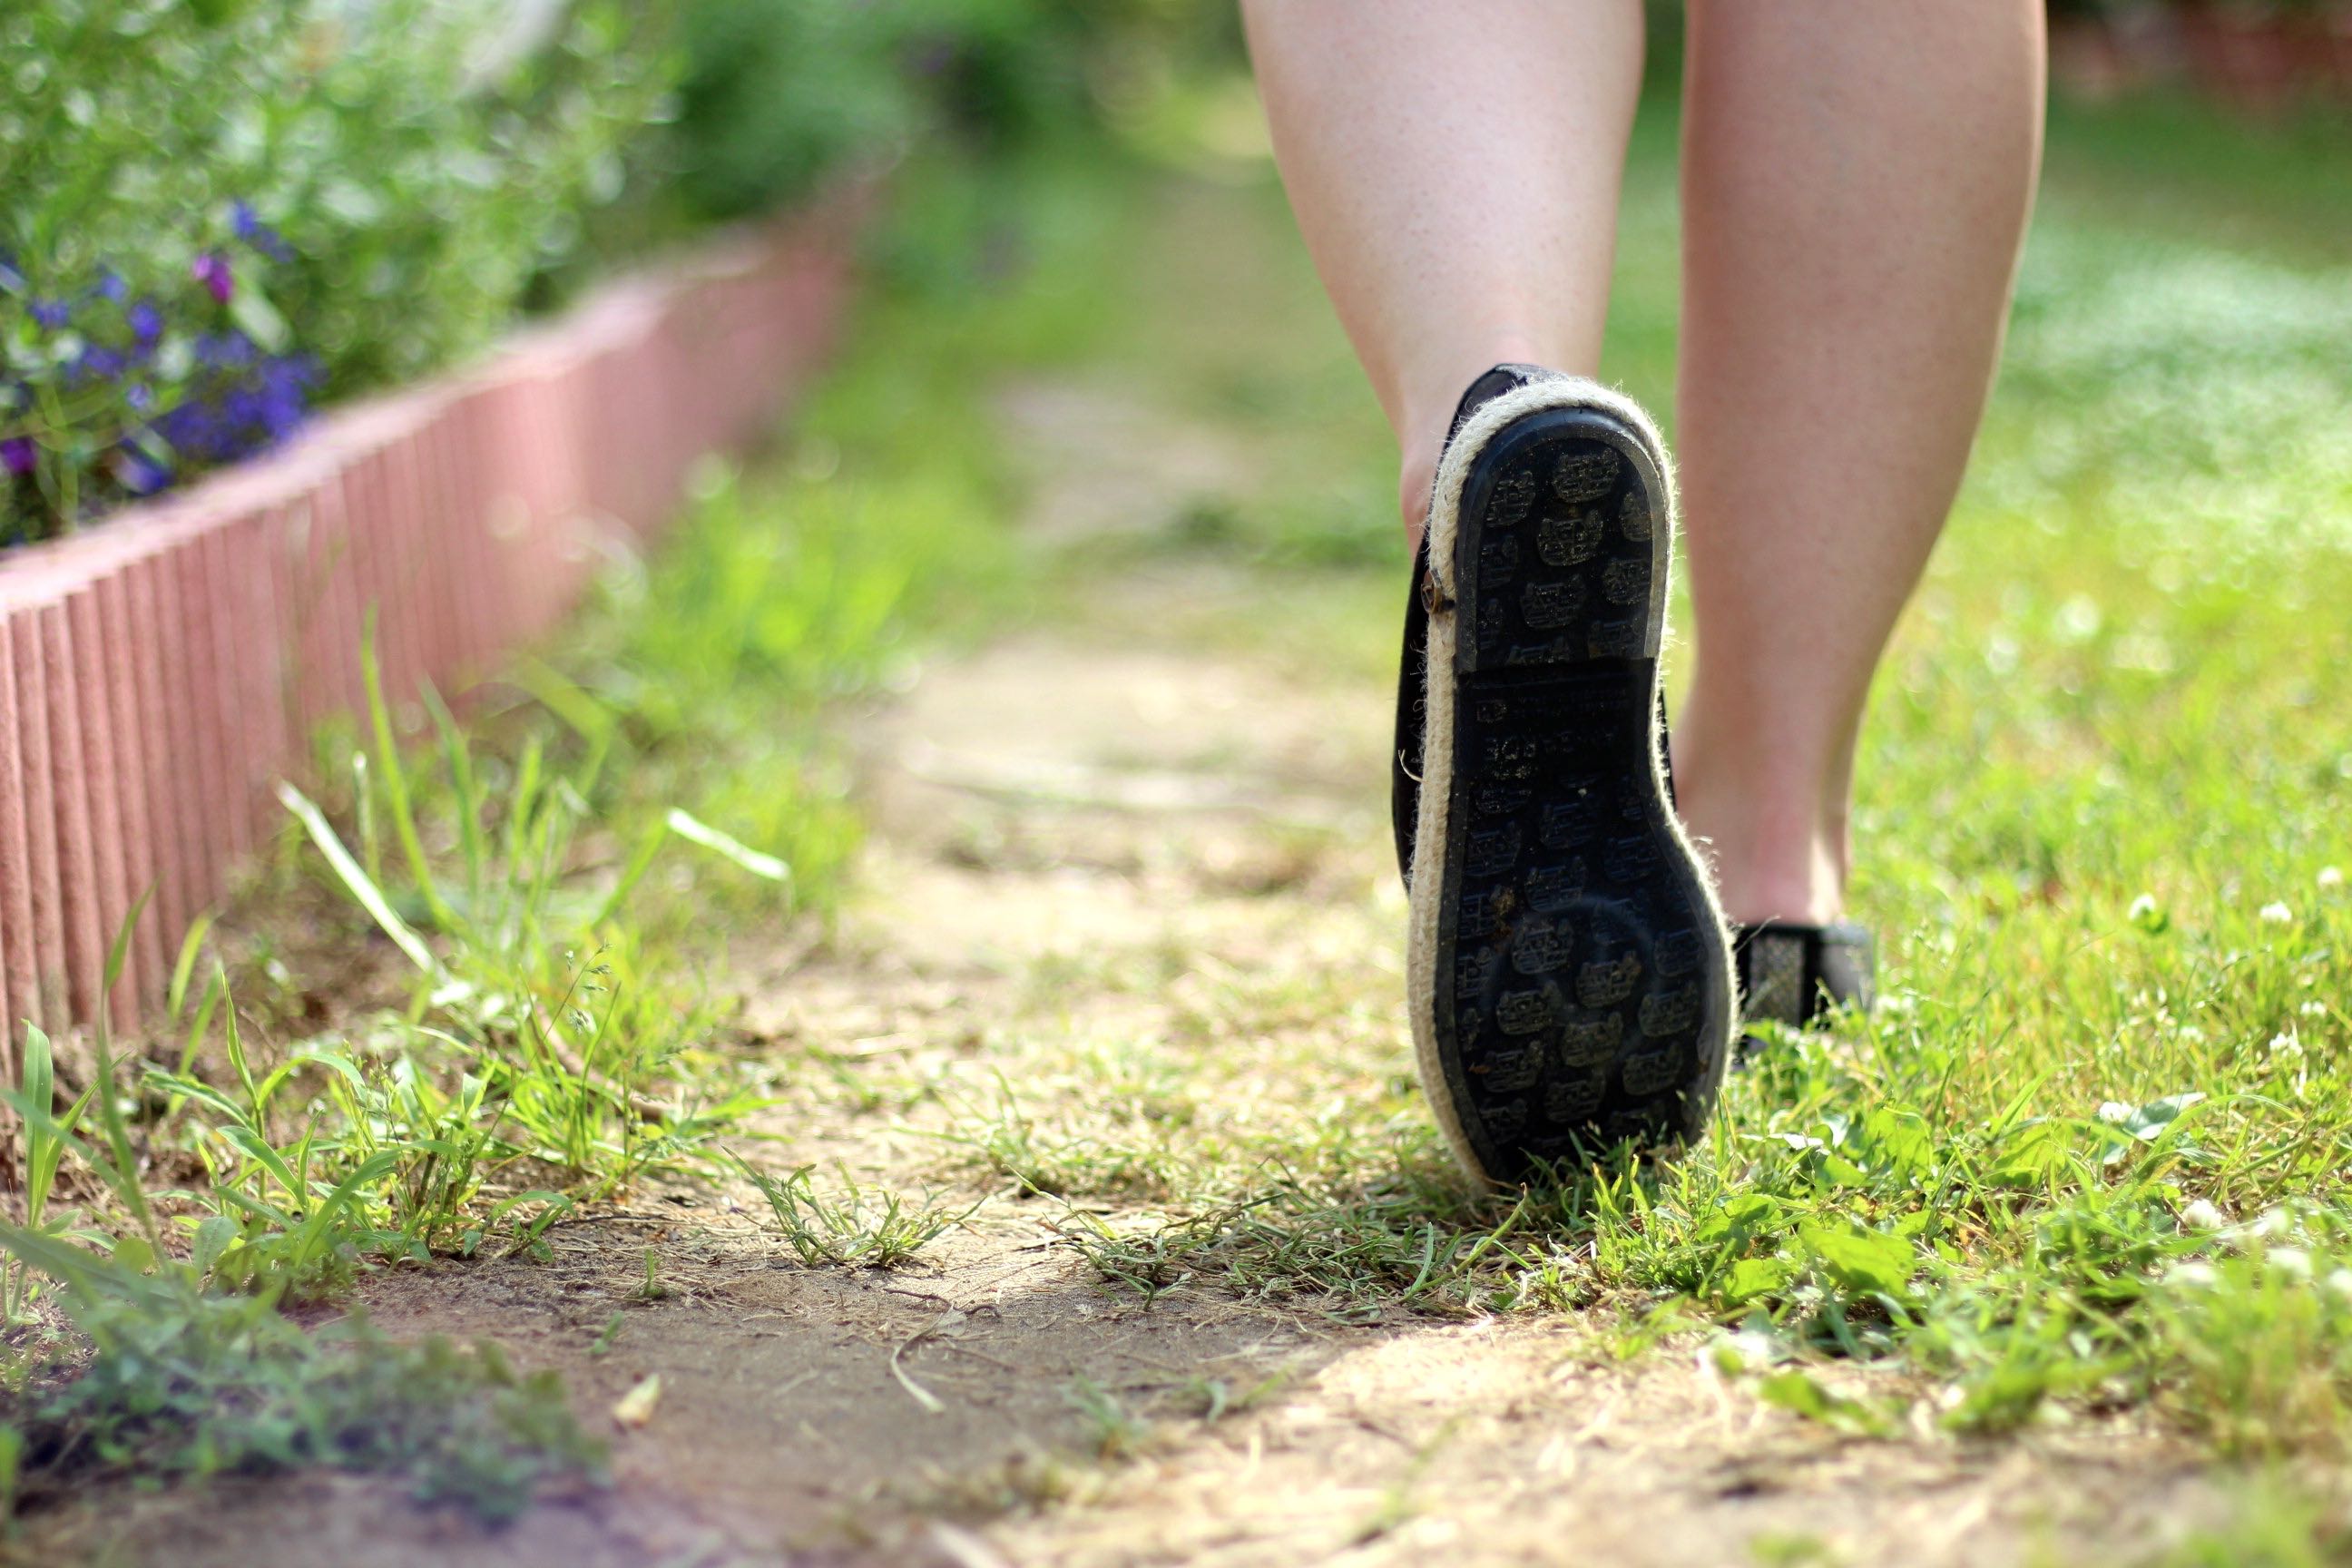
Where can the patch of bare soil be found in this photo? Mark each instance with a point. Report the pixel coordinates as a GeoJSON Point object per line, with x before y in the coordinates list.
{"type": "Point", "coordinates": [1078, 835]}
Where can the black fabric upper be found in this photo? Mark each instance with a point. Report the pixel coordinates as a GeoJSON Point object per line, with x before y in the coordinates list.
{"type": "Point", "coordinates": [1797, 974]}
{"type": "Point", "coordinates": [1412, 672]}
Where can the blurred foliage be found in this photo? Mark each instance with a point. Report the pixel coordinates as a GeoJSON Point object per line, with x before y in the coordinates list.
{"type": "Point", "coordinates": [776, 92]}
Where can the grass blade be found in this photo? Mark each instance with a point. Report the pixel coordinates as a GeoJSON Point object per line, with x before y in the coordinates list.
{"type": "Point", "coordinates": [460, 759]}
{"type": "Point", "coordinates": [735, 849]}
{"type": "Point", "coordinates": [190, 946]}
{"type": "Point", "coordinates": [395, 783]}
{"type": "Point", "coordinates": [361, 886]}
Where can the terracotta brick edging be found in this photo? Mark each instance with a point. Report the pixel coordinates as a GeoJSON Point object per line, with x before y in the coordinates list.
{"type": "Point", "coordinates": [161, 670]}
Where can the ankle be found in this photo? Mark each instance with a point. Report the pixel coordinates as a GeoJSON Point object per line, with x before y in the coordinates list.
{"type": "Point", "coordinates": [1424, 413]}
{"type": "Point", "coordinates": [1778, 854]}
{"type": "Point", "coordinates": [1801, 883]}
{"type": "Point", "coordinates": [1414, 486]}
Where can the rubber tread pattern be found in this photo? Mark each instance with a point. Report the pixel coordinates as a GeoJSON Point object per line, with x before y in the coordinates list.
{"type": "Point", "coordinates": [1582, 998]}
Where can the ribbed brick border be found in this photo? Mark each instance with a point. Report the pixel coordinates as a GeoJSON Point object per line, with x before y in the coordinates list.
{"type": "Point", "coordinates": [159, 671]}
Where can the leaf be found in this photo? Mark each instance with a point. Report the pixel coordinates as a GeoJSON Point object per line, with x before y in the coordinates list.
{"type": "Point", "coordinates": [1801, 1393]}
{"type": "Point", "coordinates": [49, 1138]}
{"type": "Point", "coordinates": [2031, 1154]}
{"type": "Point", "coordinates": [1739, 1218]}
{"type": "Point", "coordinates": [2148, 1122]}
{"type": "Point", "coordinates": [314, 1237]}
{"type": "Point", "coordinates": [1842, 1173]}
{"type": "Point", "coordinates": [83, 1272]}
{"type": "Point", "coordinates": [1899, 1139]}
{"type": "Point", "coordinates": [587, 717]}
{"type": "Point", "coordinates": [258, 318]}
{"type": "Point", "coordinates": [635, 1408]}
{"type": "Point", "coordinates": [396, 783]}
{"type": "Point", "coordinates": [1753, 1276]}
{"type": "Point", "coordinates": [213, 1239]}
{"type": "Point", "coordinates": [1868, 1261]}
{"type": "Point", "coordinates": [2158, 1124]}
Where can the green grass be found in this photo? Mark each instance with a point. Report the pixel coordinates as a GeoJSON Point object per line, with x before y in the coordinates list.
{"type": "Point", "coordinates": [2091, 1151]}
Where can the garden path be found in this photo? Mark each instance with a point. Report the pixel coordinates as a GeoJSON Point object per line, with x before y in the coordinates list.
{"type": "Point", "coordinates": [1134, 863]}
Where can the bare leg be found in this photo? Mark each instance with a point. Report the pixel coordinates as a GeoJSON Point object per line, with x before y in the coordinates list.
{"type": "Point", "coordinates": [1456, 170]}
{"type": "Point", "coordinates": [1855, 179]}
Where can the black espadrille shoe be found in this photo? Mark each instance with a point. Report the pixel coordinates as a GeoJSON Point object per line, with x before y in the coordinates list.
{"type": "Point", "coordinates": [1801, 974]}
{"type": "Point", "coordinates": [1569, 977]}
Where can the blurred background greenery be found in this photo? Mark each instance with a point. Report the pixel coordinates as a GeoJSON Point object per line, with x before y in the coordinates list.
{"type": "Point", "coordinates": [217, 215]}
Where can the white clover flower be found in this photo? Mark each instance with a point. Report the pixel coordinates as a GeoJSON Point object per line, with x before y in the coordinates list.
{"type": "Point", "coordinates": [2339, 1285]}
{"type": "Point", "coordinates": [2292, 1261]}
{"type": "Point", "coordinates": [2142, 907]}
{"type": "Point", "coordinates": [2285, 1044]}
{"type": "Point", "coordinates": [2277, 915]}
{"type": "Point", "coordinates": [2331, 876]}
{"type": "Point", "coordinates": [2202, 1215]}
{"type": "Point", "coordinates": [2198, 1276]}
{"type": "Point", "coordinates": [2313, 1009]}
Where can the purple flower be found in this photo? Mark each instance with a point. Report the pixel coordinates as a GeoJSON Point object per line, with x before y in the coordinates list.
{"type": "Point", "coordinates": [212, 271]}
{"type": "Point", "coordinates": [141, 474]}
{"type": "Point", "coordinates": [146, 321]}
{"type": "Point", "coordinates": [16, 454]}
{"type": "Point", "coordinates": [241, 402]}
{"type": "Point", "coordinates": [257, 234]}
{"type": "Point", "coordinates": [104, 363]}
{"type": "Point", "coordinates": [111, 285]}
{"type": "Point", "coordinates": [232, 350]}
{"type": "Point", "coordinates": [140, 396]}
{"type": "Point", "coordinates": [51, 313]}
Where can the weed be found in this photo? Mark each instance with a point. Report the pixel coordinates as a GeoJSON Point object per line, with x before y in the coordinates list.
{"type": "Point", "coordinates": [1113, 1431]}
{"type": "Point", "coordinates": [46, 1143]}
{"type": "Point", "coordinates": [182, 1383]}
{"type": "Point", "coordinates": [651, 1289]}
{"type": "Point", "coordinates": [189, 1368]}
{"type": "Point", "coordinates": [1216, 1399]}
{"type": "Point", "coordinates": [860, 1228]}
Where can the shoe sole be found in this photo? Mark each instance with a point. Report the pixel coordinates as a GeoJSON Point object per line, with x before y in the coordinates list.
{"type": "Point", "coordinates": [1571, 974]}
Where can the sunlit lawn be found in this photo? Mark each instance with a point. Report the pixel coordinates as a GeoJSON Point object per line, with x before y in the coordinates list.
{"type": "Point", "coordinates": [2092, 1148]}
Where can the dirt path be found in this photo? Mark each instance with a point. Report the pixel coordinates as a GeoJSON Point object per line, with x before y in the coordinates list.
{"type": "Point", "coordinates": [1127, 904]}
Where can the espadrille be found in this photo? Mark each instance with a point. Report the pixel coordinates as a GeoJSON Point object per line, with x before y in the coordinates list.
{"type": "Point", "coordinates": [1799, 975]}
{"type": "Point", "coordinates": [1568, 973]}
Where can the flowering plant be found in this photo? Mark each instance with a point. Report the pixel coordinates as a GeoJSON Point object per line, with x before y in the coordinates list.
{"type": "Point", "coordinates": [213, 212]}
